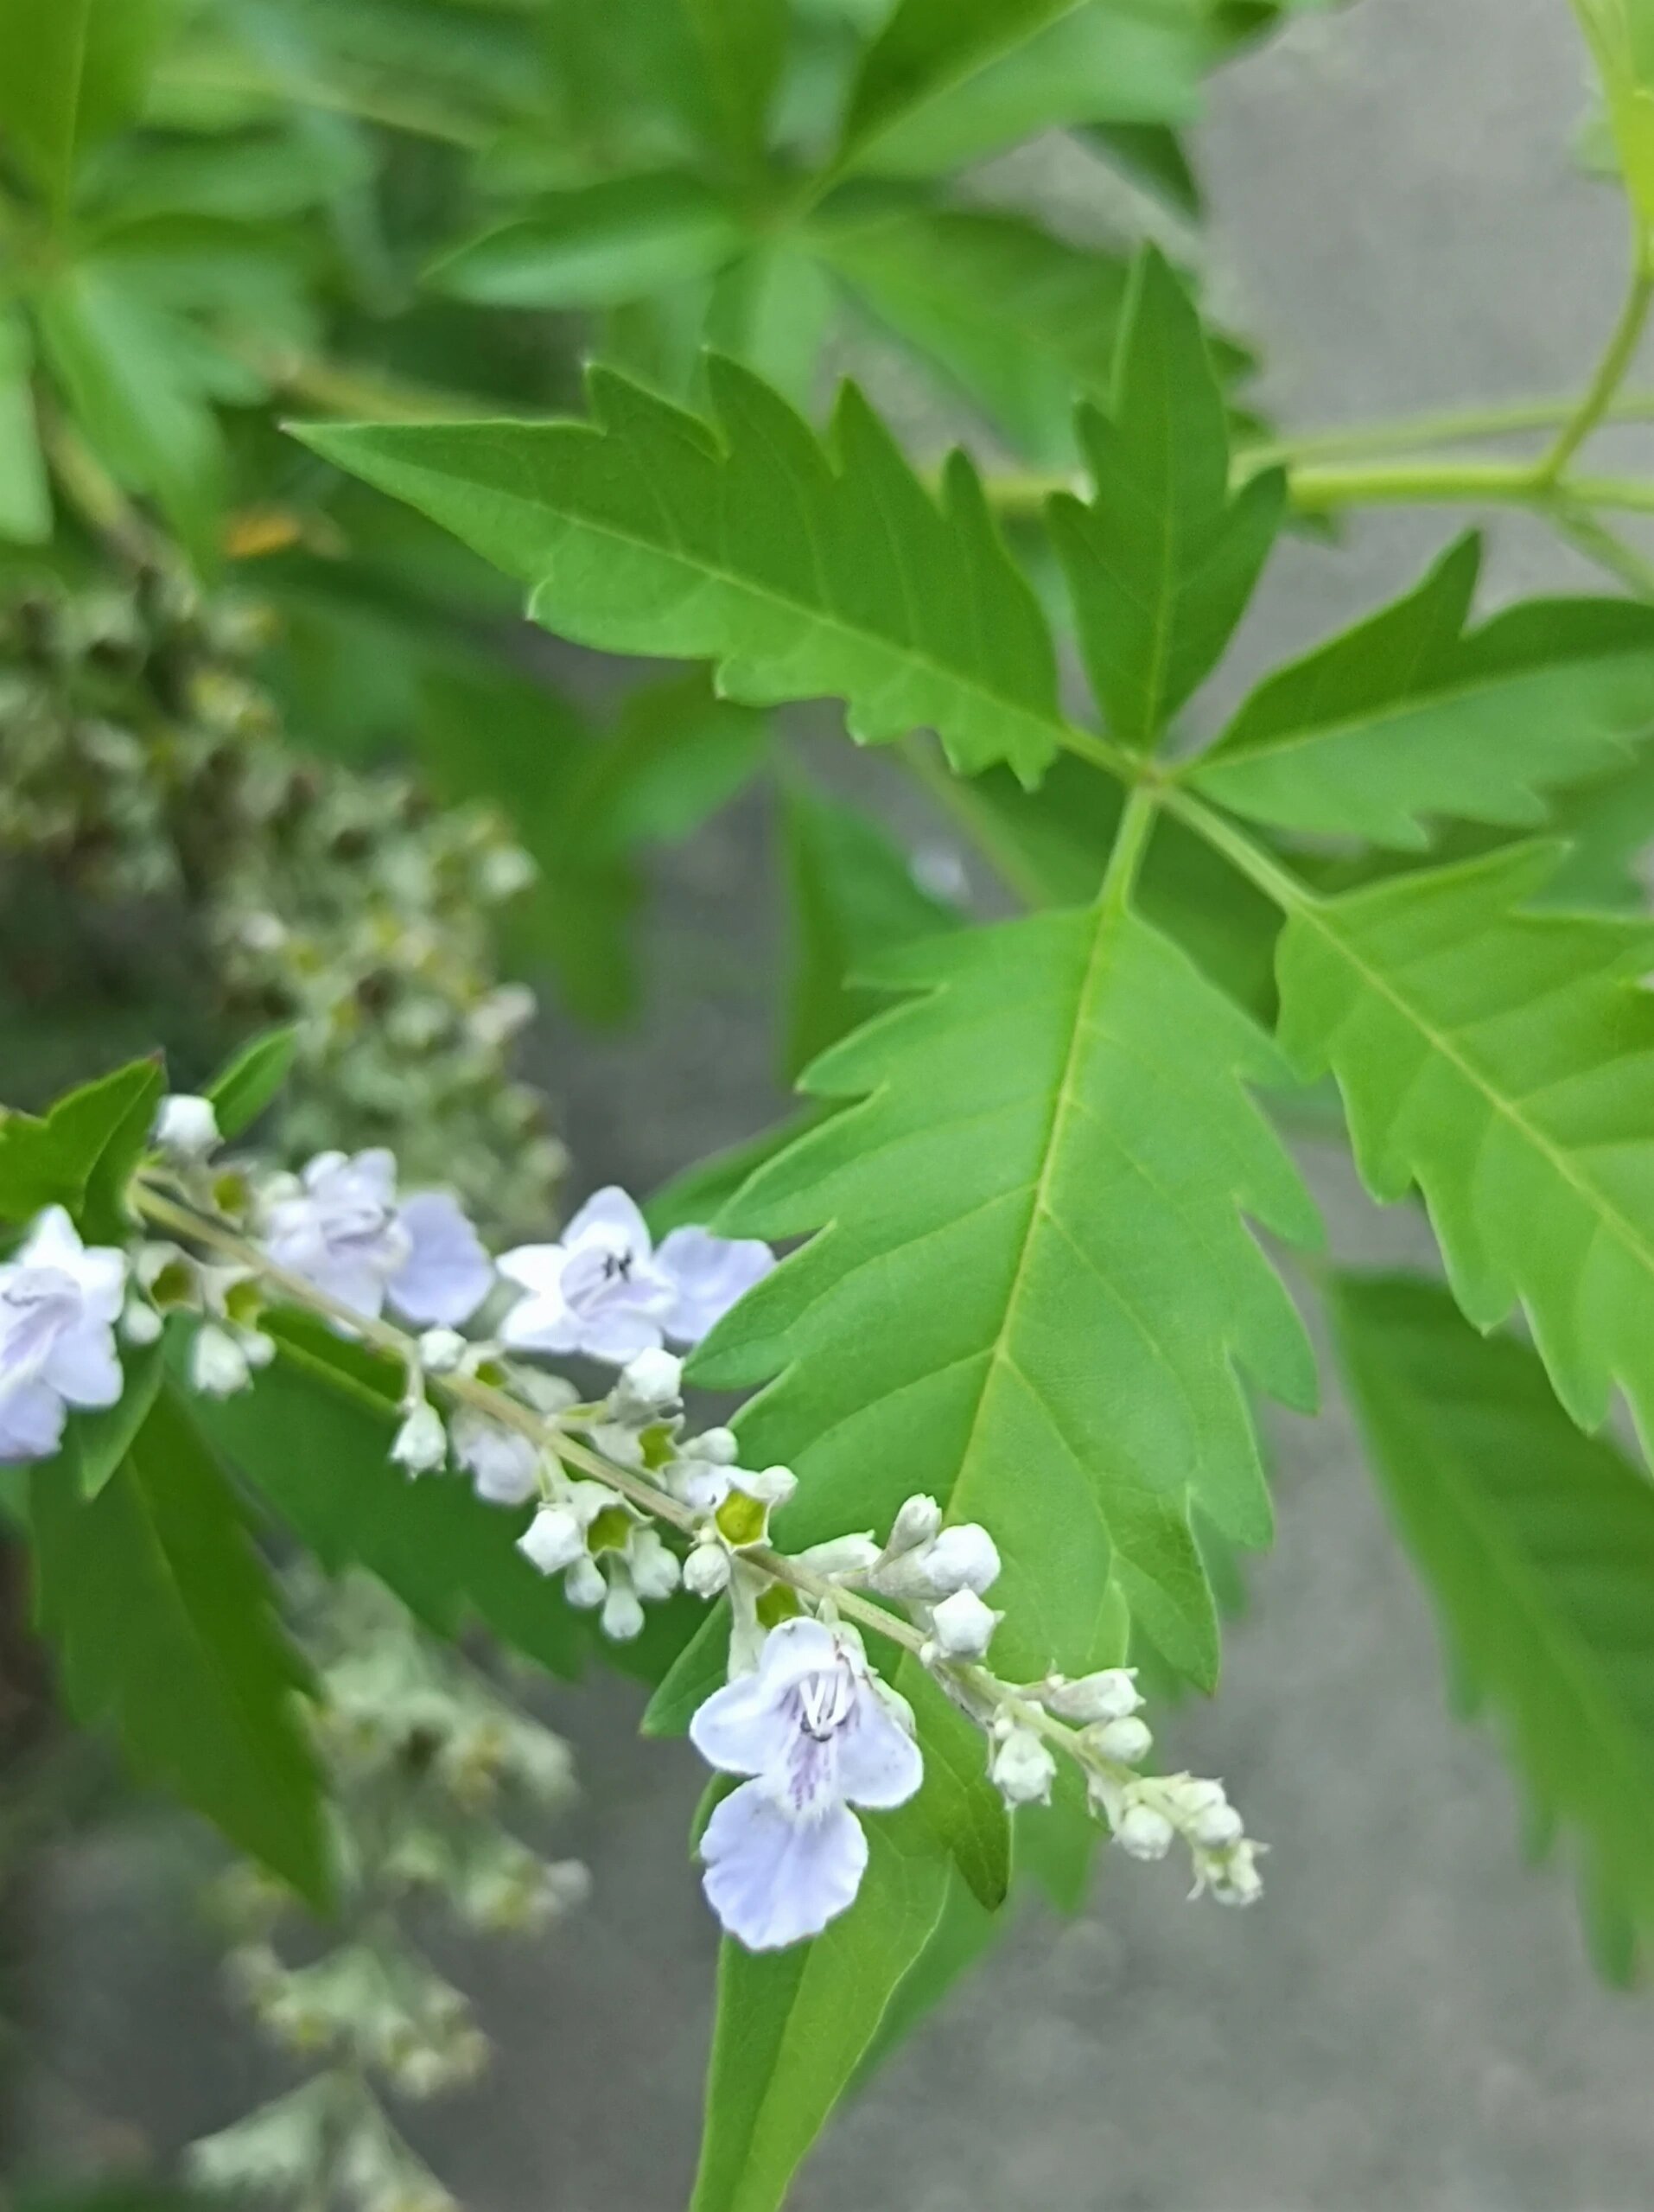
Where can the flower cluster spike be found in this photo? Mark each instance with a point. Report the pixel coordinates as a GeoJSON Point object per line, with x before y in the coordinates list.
{"type": "Point", "coordinates": [632, 1506]}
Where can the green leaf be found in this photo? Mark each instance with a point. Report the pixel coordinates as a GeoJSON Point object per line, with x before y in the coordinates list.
{"type": "Point", "coordinates": [240, 1092]}
{"type": "Point", "coordinates": [1050, 848]}
{"type": "Point", "coordinates": [1536, 1545]}
{"type": "Point", "coordinates": [313, 1440]}
{"type": "Point", "coordinates": [162, 1619]}
{"type": "Point", "coordinates": [1163, 561]}
{"type": "Point", "coordinates": [1406, 715]}
{"type": "Point", "coordinates": [699, 1193]}
{"type": "Point", "coordinates": [799, 571]}
{"type": "Point", "coordinates": [71, 71]}
{"type": "Point", "coordinates": [595, 246]}
{"type": "Point", "coordinates": [25, 495]}
{"type": "Point", "coordinates": [1019, 321]}
{"type": "Point", "coordinates": [948, 82]}
{"type": "Point", "coordinates": [1153, 157]}
{"type": "Point", "coordinates": [132, 373]}
{"type": "Point", "coordinates": [1503, 1061]}
{"type": "Point", "coordinates": [1620, 35]}
{"type": "Point", "coordinates": [742, 45]}
{"type": "Point", "coordinates": [792, 2027]}
{"type": "Point", "coordinates": [852, 896]}
{"type": "Point", "coordinates": [95, 1444]}
{"type": "Point", "coordinates": [52, 1161]}
{"type": "Point", "coordinates": [1053, 1146]}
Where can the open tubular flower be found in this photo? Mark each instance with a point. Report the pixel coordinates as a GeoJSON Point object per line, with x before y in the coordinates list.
{"type": "Point", "coordinates": [344, 1228]}
{"type": "Point", "coordinates": [604, 1289]}
{"type": "Point", "coordinates": [58, 1304]}
{"type": "Point", "coordinates": [784, 1853]}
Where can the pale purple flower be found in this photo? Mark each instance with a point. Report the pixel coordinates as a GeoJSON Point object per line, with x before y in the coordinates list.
{"type": "Point", "coordinates": [503, 1463]}
{"type": "Point", "coordinates": [708, 1274]}
{"type": "Point", "coordinates": [344, 1230]}
{"type": "Point", "coordinates": [598, 1291]}
{"type": "Point", "coordinates": [784, 1853]}
{"type": "Point", "coordinates": [605, 1289]}
{"type": "Point", "coordinates": [59, 1304]}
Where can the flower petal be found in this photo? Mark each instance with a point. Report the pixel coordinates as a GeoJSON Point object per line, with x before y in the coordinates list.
{"type": "Point", "coordinates": [618, 1333]}
{"type": "Point", "coordinates": [447, 1274]}
{"type": "Point", "coordinates": [708, 1275]}
{"type": "Point", "coordinates": [537, 1324]}
{"type": "Point", "coordinates": [611, 1215]}
{"type": "Point", "coordinates": [53, 1241]}
{"type": "Point", "coordinates": [742, 1729]}
{"type": "Point", "coordinates": [772, 1881]}
{"type": "Point", "coordinates": [31, 1422]}
{"type": "Point", "coordinates": [82, 1367]}
{"type": "Point", "coordinates": [537, 1267]}
{"type": "Point", "coordinates": [353, 1282]}
{"type": "Point", "coordinates": [879, 1763]}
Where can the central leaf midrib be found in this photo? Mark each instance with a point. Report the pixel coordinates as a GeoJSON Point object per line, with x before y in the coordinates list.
{"type": "Point", "coordinates": [1000, 1359]}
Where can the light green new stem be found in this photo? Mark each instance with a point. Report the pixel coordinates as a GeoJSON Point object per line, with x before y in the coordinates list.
{"type": "Point", "coordinates": [1610, 370]}
{"type": "Point", "coordinates": [161, 1210]}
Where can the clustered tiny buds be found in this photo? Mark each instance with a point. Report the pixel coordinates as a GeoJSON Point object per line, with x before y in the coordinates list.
{"type": "Point", "coordinates": [618, 1483]}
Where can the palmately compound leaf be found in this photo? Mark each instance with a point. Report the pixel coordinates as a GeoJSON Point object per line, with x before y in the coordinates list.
{"type": "Point", "coordinates": [1162, 560]}
{"type": "Point", "coordinates": [1537, 1545]}
{"type": "Point", "coordinates": [1408, 715]}
{"type": "Point", "coordinates": [1031, 1291]}
{"type": "Point", "coordinates": [1501, 1058]}
{"type": "Point", "coordinates": [801, 571]}
{"type": "Point", "coordinates": [163, 1622]}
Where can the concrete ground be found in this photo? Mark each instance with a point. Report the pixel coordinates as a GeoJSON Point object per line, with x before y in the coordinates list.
{"type": "Point", "coordinates": [1409, 2020]}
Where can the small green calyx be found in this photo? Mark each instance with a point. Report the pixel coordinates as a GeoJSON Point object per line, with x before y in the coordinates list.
{"type": "Point", "coordinates": [777, 1604]}
{"type": "Point", "coordinates": [610, 1530]}
{"type": "Point", "coordinates": [741, 1520]}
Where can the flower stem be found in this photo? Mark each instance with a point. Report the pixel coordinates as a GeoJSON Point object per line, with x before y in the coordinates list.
{"type": "Point", "coordinates": [1610, 370]}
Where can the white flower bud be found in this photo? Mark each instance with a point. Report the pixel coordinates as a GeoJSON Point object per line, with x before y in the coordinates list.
{"type": "Point", "coordinates": [706, 1571]}
{"type": "Point", "coordinates": [1217, 1828]}
{"type": "Point", "coordinates": [1111, 1695]}
{"type": "Point", "coordinates": [186, 1126]}
{"type": "Point", "coordinates": [218, 1365]}
{"type": "Point", "coordinates": [654, 1570]}
{"type": "Point", "coordinates": [1142, 1833]}
{"type": "Point", "coordinates": [421, 1443]}
{"type": "Point", "coordinates": [1023, 1769]}
{"type": "Point", "coordinates": [441, 1350]}
{"type": "Point", "coordinates": [584, 1586]}
{"type": "Point", "coordinates": [772, 1486]}
{"type": "Point", "coordinates": [1126, 1741]}
{"type": "Point", "coordinates": [961, 1626]}
{"type": "Point", "coordinates": [1233, 1878]}
{"type": "Point", "coordinates": [915, 1524]}
{"type": "Point", "coordinates": [721, 1446]}
{"type": "Point", "coordinates": [963, 1557]}
{"type": "Point", "coordinates": [140, 1323]}
{"type": "Point", "coordinates": [554, 1539]}
{"type": "Point", "coordinates": [649, 1387]}
{"type": "Point", "coordinates": [622, 1615]}
{"type": "Point", "coordinates": [841, 1557]}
